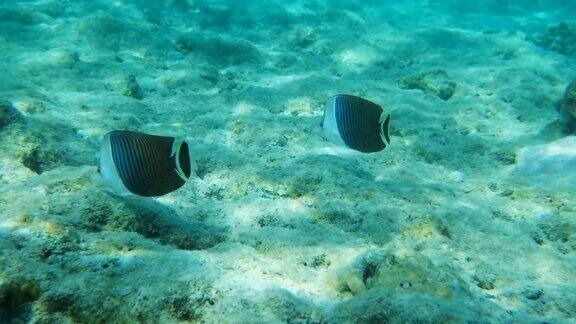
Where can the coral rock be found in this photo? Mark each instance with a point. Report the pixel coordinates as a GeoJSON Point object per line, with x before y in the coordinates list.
{"type": "Point", "coordinates": [9, 114]}
{"type": "Point", "coordinates": [561, 39]}
{"type": "Point", "coordinates": [436, 82]}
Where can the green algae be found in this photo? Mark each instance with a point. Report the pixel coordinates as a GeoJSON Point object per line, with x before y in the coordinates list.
{"type": "Point", "coordinates": [129, 87]}
{"type": "Point", "coordinates": [436, 82]}
{"type": "Point", "coordinates": [14, 295]}
{"type": "Point", "coordinates": [560, 38]}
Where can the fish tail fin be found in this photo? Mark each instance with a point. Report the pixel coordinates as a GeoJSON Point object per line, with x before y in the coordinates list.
{"type": "Point", "coordinates": [176, 146]}
{"type": "Point", "coordinates": [385, 129]}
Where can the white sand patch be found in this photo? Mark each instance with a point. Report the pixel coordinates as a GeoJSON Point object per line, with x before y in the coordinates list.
{"type": "Point", "coordinates": [556, 160]}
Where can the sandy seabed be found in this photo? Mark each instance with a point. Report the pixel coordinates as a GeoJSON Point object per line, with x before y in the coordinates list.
{"type": "Point", "coordinates": [470, 215]}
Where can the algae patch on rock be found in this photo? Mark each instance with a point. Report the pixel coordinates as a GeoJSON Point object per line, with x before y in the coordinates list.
{"type": "Point", "coordinates": [15, 298]}
{"type": "Point", "coordinates": [9, 114]}
{"type": "Point", "coordinates": [560, 38]}
{"type": "Point", "coordinates": [568, 105]}
{"type": "Point", "coordinates": [220, 50]}
{"type": "Point", "coordinates": [436, 82]}
{"type": "Point", "coordinates": [129, 87]}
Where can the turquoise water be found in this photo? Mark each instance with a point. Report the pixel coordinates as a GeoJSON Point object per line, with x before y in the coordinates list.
{"type": "Point", "coordinates": [468, 216]}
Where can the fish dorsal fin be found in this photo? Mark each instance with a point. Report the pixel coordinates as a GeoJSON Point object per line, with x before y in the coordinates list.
{"type": "Point", "coordinates": [385, 128]}
{"type": "Point", "coordinates": [176, 146]}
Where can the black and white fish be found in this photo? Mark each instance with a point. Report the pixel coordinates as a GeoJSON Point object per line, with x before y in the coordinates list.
{"type": "Point", "coordinates": [143, 164]}
{"type": "Point", "coordinates": [356, 123]}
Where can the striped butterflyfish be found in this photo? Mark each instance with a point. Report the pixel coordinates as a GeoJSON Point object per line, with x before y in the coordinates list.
{"type": "Point", "coordinates": [143, 164]}
{"type": "Point", "coordinates": [356, 123]}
